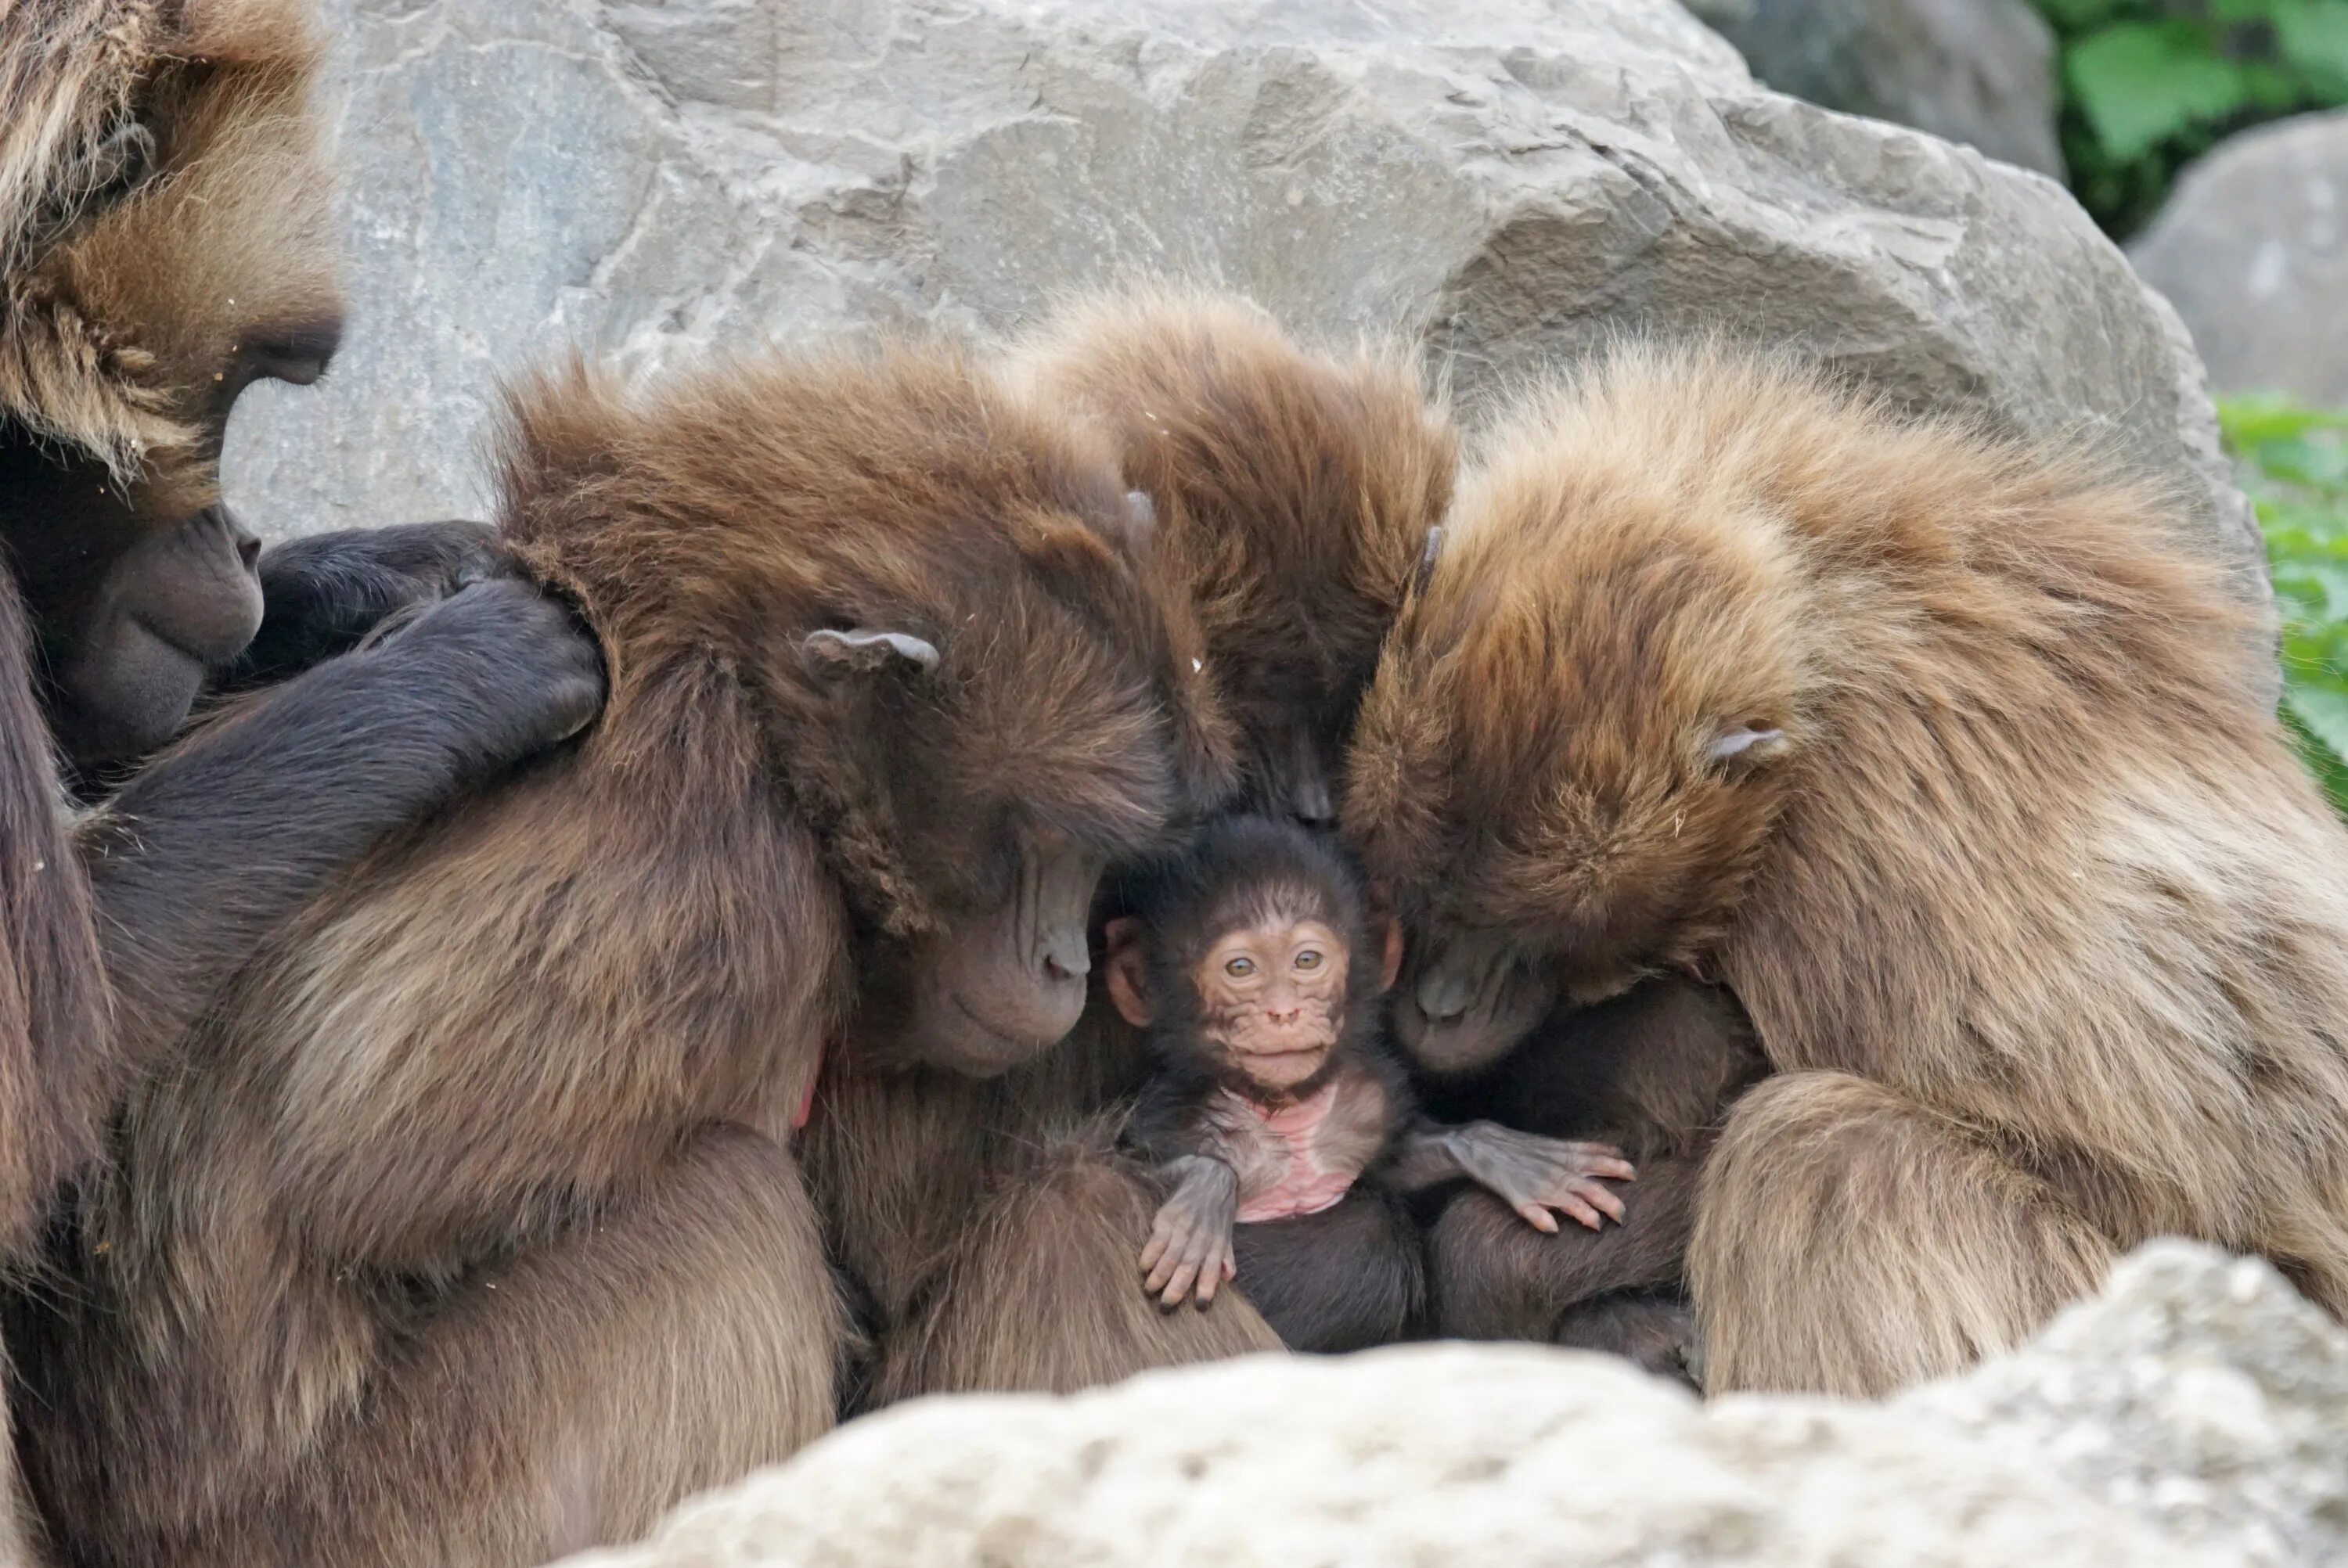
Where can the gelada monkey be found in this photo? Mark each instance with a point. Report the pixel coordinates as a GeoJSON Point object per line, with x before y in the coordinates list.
{"type": "Point", "coordinates": [1929, 745]}
{"type": "Point", "coordinates": [1285, 1129]}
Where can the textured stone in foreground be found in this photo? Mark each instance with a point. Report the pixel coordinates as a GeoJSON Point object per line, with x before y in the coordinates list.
{"type": "Point", "coordinates": [1510, 179]}
{"type": "Point", "coordinates": [2253, 250]}
{"type": "Point", "coordinates": [2196, 1412]}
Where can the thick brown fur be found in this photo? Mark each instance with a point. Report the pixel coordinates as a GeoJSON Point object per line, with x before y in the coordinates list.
{"type": "Point", "coordinates": [112, 331]}
{"type": "Point", "coordinates": [2041, 922]}
{"type": "Point", "coordinates": [105, 349]}
{"type": "Point", "coordinates": [471, 1234]}
{"type": "Point", "coordinates": [127, 280]}
{"type": "Point", "coordinates": [1293, 491]}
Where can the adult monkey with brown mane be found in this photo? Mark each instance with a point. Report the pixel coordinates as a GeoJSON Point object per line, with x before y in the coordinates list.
{"type": "Point", "coordinates": [479, 1237]}
{"type": "Point", "coordinates": [162, 245]}
{"type": "Point", "coordinates": [1927, 745]}
{"type": "Point", "coordinates": [1292, 490]}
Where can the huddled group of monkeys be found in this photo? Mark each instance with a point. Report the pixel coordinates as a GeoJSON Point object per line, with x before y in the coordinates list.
{"type": "Point", "coordinates": [944, 867]}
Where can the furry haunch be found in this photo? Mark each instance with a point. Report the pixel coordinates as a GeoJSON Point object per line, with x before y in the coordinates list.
{"type": "Point", "coordinates": [1924, 744]}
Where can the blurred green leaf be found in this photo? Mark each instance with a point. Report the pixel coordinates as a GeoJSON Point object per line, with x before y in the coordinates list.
{"type": "Point", "coordinates": [2148, 86]}
{"type": "Point", "coordinates": [2292, 460]}
{"type": "Point", "coordinates": [2139, 83]}
{"type": "Point", "coordinates": [2312, 34]}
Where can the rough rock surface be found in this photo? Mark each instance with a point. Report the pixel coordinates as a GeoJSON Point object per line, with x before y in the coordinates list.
{"type": "Point", "coordinates": [2196, 1412]}
{"type": "Point", "coordinates": [2253, 250]}
{"type": "Point", "coordinates": [1511, 179]}
{"type": "Point", "coordinates": [1980, 72]}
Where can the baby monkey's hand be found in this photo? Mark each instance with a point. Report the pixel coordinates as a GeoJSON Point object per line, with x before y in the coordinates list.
{"type": "Point", "coordinates": [1190, 1247]}
{"type": "Point", "coordinates": [1531, 1173]}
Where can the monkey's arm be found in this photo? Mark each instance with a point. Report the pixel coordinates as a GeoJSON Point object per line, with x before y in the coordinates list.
{"type": "Point", "coordinates": [321, 594]}
{"type": "Point", "coordinates": [1190, 1245]}
{"type": "Point", "coordinates": [221, 839]}
{"type": "Point", "coordinates": [1531, 1173]}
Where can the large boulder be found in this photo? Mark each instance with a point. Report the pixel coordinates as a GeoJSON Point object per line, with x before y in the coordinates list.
{"type": "Point", "coordinates": [2253, 250]}
{"type": "Point", "coordinates": [1512, 181]}
{"type": "Point", "coordinates": [1980, 72]}
{"type": "Point", "coordinates": [2196, 1412]}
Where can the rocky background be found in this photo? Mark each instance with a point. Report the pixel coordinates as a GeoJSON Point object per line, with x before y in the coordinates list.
{"type": "Point", "coordinates": [1509, 180]}
{"type": "Point", "coordinates": [2253, 249]}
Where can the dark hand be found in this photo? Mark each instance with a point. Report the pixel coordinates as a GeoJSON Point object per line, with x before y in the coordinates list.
{"type": "Point", "coordinates": [1534, 1174]}
{"type": "Point", "coordinates": [1189, 1246]}
{"type": "Point", "coordinates": [322, 594]}
{"type": "Point", "coordinates": [517, 662]}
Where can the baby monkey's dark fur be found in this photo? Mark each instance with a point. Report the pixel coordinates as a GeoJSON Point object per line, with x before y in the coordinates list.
{"type": "Point", "coordinates": [1322, 1151]}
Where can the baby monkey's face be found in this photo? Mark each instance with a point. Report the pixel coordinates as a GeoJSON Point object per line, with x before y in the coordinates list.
{"type": "Point", "coordinates": [1272, 998]}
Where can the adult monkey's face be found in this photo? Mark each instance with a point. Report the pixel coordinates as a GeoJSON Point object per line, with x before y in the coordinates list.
{"type": "Point", "coordinates": [1468, 996]}
{"type": "Point", "coordinates": [1005, 979]}
{"type": "Point", "coordinates": [183, 251]}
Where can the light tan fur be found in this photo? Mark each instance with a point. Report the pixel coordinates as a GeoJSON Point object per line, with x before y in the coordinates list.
{"type": "Point", "coordinates": [2043, 925]}
{"type": "Point", "coordinates": [117, 307]}
{"type": "Point", "coordinates": [1051, 1246]}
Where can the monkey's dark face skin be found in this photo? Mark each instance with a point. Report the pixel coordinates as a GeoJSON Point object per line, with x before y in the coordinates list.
{"type": "Point", "coordinates": [135, 600]}
{"type": "Point", "coordinates": [1003, 981]}
{"type": "Point", "coordinates": [1467, 997]}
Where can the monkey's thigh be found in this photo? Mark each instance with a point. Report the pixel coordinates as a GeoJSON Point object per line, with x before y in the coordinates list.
{"type": "Point", "coordinates": [1348, 1277]}
{"type": "Point", "coordinates": [1496, 1277]}
{"type": "Point", "coordinates": [1043, 1290]}
{"type": "Point", "coordinates": [571, 1397]}
{"type": "Point", "coordinates": [1849, 1240]}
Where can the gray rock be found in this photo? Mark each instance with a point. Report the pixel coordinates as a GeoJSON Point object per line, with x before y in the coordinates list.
{"type": "Point", "coordinates": [1513, 181]}
{"type": "Point", "coordinates": [2196, 1412]}
{"type": "Point", "coordinates": [1980, 72]}
{"type": "Point", "coordinates": [2199, 1391]}
{"type": "Point", "coordinates": [2253, 250]}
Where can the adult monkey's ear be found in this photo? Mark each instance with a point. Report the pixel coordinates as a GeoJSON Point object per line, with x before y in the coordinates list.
{"type": "Point", "coordinates": [1428, 554]}
{"type": "Point", "coordinates": [865, 651]}
{"type": "Point", "coordinates": [1122, 966]}
{"type": "Point", "coordinates": [1386, 934]}
{"type": "Point", "coordinates": [1747, 744]}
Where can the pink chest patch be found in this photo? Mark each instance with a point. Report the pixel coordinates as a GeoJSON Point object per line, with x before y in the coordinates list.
{"type": "Point", "coordinates": [1294, 1136]}
{"type": "Point", "coordinates": [807, 1100]}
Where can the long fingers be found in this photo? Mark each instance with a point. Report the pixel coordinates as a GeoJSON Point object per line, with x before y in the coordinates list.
{"type": "Point", "coordinates": [1574, 1208]}
{"type": "Point", "coordinates": [1594, 1160]}
{"type": "Point", "coordinates": [1599, 1196]}
{"type": "Point", "coordinates": [1185, 1277]}
{"type": "Point", "coordinates": [1163, 1271]}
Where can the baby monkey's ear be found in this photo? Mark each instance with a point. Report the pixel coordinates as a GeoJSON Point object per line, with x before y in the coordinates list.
{"type": "Point", "coordinates": [1121, 941]}
{"type": "Point", "coordinates": [1386, 934]}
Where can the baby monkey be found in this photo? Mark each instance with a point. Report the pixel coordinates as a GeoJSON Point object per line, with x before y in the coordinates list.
{"type": "Point", "coordinates": [1255, 966]}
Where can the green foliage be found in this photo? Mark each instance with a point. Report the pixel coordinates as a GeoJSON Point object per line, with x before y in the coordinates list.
{"type": "Point", "coordinates": [2150, 84]}
{"type": "Point", "coordinates": [2293, 461]}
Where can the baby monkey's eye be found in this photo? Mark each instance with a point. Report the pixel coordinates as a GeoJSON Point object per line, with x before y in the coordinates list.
{"type": "Point", "coordinates": [1308, 959]}
{"type": "Point", "coordinates": [1240, 968]}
